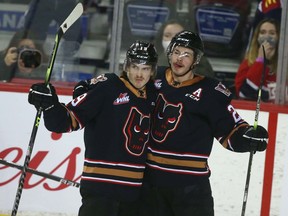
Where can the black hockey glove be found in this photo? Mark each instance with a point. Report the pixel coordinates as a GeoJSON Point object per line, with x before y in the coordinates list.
{"type": "Point", "coordinates": [81, 88]}
{"type": "Point", "coordinates": [41, 95]}
{"type": "Point", "coordinates": [257, 139]}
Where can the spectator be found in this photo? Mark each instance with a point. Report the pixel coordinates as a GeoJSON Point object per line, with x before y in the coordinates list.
{"type": "Point", "coordinates": [167, 31]}
{"type": "Point", "coordinates": [266, 9]}
{"type": "Point", "coordinates": [250, 71]}
{"type": "Point", "coordinates": [12, 62]}
{"type": "Point", "coordinates": [116, 117]}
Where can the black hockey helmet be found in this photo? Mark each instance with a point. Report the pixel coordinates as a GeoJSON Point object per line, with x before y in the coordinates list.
{"type": "Point", "coordinates": [141, 52]}
{"type": "Point", "coordinates": [189, 40]}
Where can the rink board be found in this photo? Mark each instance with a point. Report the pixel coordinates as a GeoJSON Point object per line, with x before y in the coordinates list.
{"type": "Point", "coordinates": [62, 155]}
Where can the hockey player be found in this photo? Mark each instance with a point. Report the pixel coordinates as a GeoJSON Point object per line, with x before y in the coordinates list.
{"type": "Point", "coordinates": [190, 111]}
{"type": "Point", "coordinates": [116, 118]}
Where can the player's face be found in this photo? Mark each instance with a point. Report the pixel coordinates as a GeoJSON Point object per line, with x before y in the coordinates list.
{"type": "Point", "coordinates": [181, 60]}
{"type": "Point", "coordinates": [139, 74]}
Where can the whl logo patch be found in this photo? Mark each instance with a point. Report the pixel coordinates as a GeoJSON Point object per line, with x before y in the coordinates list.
{"type": "Point", "coordinates": [122, 99]}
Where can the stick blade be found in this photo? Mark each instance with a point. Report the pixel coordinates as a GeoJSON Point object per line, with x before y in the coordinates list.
{"type": "Point", "coordinates": [73, 16]}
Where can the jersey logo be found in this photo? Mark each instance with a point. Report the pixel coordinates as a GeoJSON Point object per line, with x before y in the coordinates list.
{"type": "Point", "coordinates": [195, 95]}
{"type": "Point", "coordinates": [122, 99]}
{"type": "Point", "coordinates": [221, 88]}
{"type": "Point", "coordinates": [158, 83]}
{"type": "Point", "coordinates": [165, 119]}
{"type": "Point", "coordinates": [100, 78]}
{"type": "Point", "coordinates": [136, 131]}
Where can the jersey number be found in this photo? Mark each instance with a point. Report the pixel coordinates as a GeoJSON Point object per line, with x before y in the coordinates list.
{"type": "Point", "coordinates": [234, 113]}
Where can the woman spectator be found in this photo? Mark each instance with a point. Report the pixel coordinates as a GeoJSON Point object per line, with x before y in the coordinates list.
{"type": "Point", "coordinates": [248, 77]}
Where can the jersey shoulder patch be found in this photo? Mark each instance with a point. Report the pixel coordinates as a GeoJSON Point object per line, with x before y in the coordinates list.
{"type": "Point", "coordinates": [100, 78]}
{"type": "Point", "coordinates": [223, 89]}
{"type": "Point", "coordinates": [216, 91]}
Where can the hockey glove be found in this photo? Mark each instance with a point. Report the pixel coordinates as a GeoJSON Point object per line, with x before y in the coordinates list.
{"type": "Point", "coordinates": [41, 95]}
{"type": "Point", "coordinates": [256, 138]}
{"type": "Point", "coordinates": [81, 88]}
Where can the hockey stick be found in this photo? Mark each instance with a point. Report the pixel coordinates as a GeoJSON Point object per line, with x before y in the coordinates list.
{"type": "Point", "coordinates": [255, 127]}
{"type": "Point", "coordinates": [43, 174]}
{"type": "Point", "coordinates": [73, 16]}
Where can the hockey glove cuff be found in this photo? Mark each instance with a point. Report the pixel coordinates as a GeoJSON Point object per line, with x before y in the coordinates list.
{"type": "Point", "coordinates": [42, 95]}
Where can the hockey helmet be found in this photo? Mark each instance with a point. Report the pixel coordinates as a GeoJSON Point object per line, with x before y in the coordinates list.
{"type": "Point", "coordinates": [141, 53]}
{"type": "Point", "coordinates": [189, 40]}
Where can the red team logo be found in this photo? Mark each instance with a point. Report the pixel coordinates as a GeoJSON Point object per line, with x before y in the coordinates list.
{"type": "Point", "coordinates": [168, 117]}
{"type": "Point", "coordinates": [136, 131]}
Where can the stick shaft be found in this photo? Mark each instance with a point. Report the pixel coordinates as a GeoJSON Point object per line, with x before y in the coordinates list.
{"type": "Point", "coordinates": [53, 56]}
{"type": "Point", "coordinates": [26, 162]}
{"type": "Point", "coordinates": [247, 183]}
{"type": "Point", "coordinates": [43, 174]}
{"type": "Point", "coordinates": [255, 127]}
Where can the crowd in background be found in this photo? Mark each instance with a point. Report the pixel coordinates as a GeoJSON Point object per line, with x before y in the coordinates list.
{"type": "Point", "coordinates": [40, 14]}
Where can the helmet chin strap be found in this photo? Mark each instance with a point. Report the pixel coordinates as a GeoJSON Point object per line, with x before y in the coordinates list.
{"type": "Point", "coordinates": [191, 68]}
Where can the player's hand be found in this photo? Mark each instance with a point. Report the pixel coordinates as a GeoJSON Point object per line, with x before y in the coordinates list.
{"type": "Point", "coordinates": [81, 88]}
{"type": "Point", "coordinates": [42, 95]}
{"type": "Point", "coordinates": [256, 138]}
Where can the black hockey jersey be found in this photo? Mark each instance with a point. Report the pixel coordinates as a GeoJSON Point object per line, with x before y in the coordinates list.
{"type": "Point", "coordinates": [116, 120]}
{"type": "Point", "coordinates": [187, 118]}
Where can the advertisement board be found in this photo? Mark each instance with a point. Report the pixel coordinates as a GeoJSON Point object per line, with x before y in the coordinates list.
{"type": "Point", "coordinates": [62, 155]}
